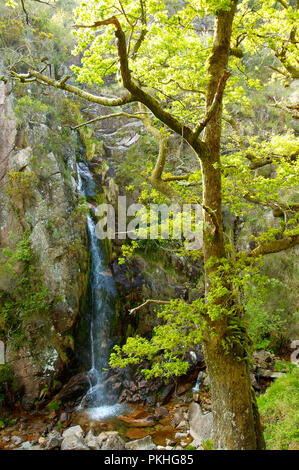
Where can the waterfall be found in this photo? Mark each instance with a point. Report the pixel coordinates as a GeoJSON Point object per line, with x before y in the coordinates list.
{"type": "Point", "coordinates": [102, 292]}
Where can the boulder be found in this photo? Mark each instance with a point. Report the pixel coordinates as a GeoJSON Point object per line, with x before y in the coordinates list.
{"type": "Point", "coordinates": [113, 442]}
{"type": "Point", "coordinates": [73, 442]}
{"type": "Point", "coordinates": [73, 431]}
{"type": "Point", "coordinates": [200, 423]}
{"type": "Point", "coordinates": [91, 441]}
{"type": "Point", "coordinates": [141, 444]}
{"type": "Point", "coordinates": [53, 440]}
{"type": "Point", "coordinates": [73, 439]}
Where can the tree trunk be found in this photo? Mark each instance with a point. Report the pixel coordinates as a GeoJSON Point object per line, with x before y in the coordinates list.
{"type": "Point", "coordinates": [235, 416]}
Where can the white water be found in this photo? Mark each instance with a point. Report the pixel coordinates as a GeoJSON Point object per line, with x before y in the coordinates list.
{"type": "Point", "coordinates": [102, 291]}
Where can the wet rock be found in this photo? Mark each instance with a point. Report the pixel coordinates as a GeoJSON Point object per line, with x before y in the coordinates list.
{"type": "Point", "coordinates": [200, 423]}
{"type": "Point", "coordinates": [161, 412]}
{"type": "Point", "coordinates": [137, 433]}
{"type": "Point", "coordinates": [53, 440]}
{"type": "Point", "coordinates": [141, 444]}
{"type": "Point", "coordinates": [167, 393]}
{"type": "Point", "coordinates": [139, 419]}
{"type": "Point", "coordinates": [184, 388]}
{"type": "Point", "coordinates": [76, 387]}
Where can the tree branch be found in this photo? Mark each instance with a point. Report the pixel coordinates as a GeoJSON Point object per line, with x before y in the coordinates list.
{"type": "Point", "coordinates": [45, 80]}
{"type": "Point", "coordinates": [140, 95]}
{"type": "Point", "coordinates": [215, 104]}
{"type": "Point", "coordinates": [275, 246]}
{"type": "Point", "coordinates": [147, 302]}
{"type": "Point", "coordinates": [107, 116]}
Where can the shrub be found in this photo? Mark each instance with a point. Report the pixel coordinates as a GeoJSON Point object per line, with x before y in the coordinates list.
{"type": "Point", "coordinates": [279, 409]}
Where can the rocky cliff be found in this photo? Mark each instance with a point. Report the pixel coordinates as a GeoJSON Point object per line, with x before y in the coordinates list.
{"type": "Point", "coordinates": [43, 255]}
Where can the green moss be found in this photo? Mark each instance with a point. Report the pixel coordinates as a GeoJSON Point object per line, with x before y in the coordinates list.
{"type": "Point", "coordinates": [279, 409]}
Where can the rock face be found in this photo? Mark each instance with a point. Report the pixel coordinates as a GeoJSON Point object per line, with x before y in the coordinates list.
{"type": "Point", "coordinates": [7, 129]}
{"type": "Point", "coordinates": [41, 205]}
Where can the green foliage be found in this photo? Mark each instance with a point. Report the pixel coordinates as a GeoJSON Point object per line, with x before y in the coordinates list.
{"type": "Point", "coordinates": [271, 303]}
{"type": "Point", "coordinates": [20, 185]}
{"type": "Point", "coordinates": [55, 405]}
{"type": "Point", "coordinates": [31, 109]}
{"type": "Point", "coordinates": [208, 444]}
{"type": "Point", "coordinates": [279, 409]}
{"type": "Point", "coordinates": [27, 303]}
{"type": "Point", "coordinates": [182, 325]}
{"type": "Point", "coordinates": [181, 329]}
{"type": "Point", "coordinates": [7, 383]}
{"type": "Point", "coordinates": [284, 366]}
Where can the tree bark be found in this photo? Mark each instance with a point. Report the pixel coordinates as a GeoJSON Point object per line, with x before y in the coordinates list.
{"type": "Point", "coordinates": [235, 416]}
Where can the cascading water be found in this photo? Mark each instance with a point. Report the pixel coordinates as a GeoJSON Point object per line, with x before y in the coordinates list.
{"type": "Point", "coordinates": [102, 294]}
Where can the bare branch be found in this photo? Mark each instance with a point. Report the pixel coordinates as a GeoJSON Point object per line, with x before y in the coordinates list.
{"type": "Point", "coordinates": [45, 80]}
{"type": "Point", "coordinates": [100, 118]}
{"type": "Point", "coordinates": [146, 303]}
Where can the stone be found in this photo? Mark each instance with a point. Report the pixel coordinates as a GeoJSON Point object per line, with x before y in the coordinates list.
{"type": "Point", "coordinates": [161, 412]}
{"type": "Point", "coordinates": [141, 444]}
{"type": "Point", "coordinates": [17, 440]}
{"type": "Point", "coordinates": [180, 435]}
{"type": "Point", "coordinates": [113, 442]}
{"type": "Point", "coordinates": [91, 441]}
{"type": "Point", "coordinates": [200, 423]}
{"type": "Point", "coordinates": [73, 431]}
{"type": "Point", "coordinates": [53, 440]}
{"type": "Point", "coordinates": [75, 388]}
{"type": "Point", "coordinates": [73, 442]}
{"type": "Point", "coordinates": [26, 446]}
{"type": "Point", "coordinates": [206, 381]}
{"type": "Point", "coordinates": [182, 425]}
{"type": "Point", "coordinates": [166, 393]}
{"type": "Point", "coordinates": [182, 388]}
{"type": "Point", "coordinates": [64, 417]}
{"type": "Point", "coordinates": [178, 417]}
{"type": "Point", "coordinates": [42, 441]}
{"type": "Point", "coordinates": [139, 419]}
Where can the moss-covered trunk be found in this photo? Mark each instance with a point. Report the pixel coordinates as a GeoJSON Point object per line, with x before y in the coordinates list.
{"type": "Point", "coordinates": [235, 417]}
